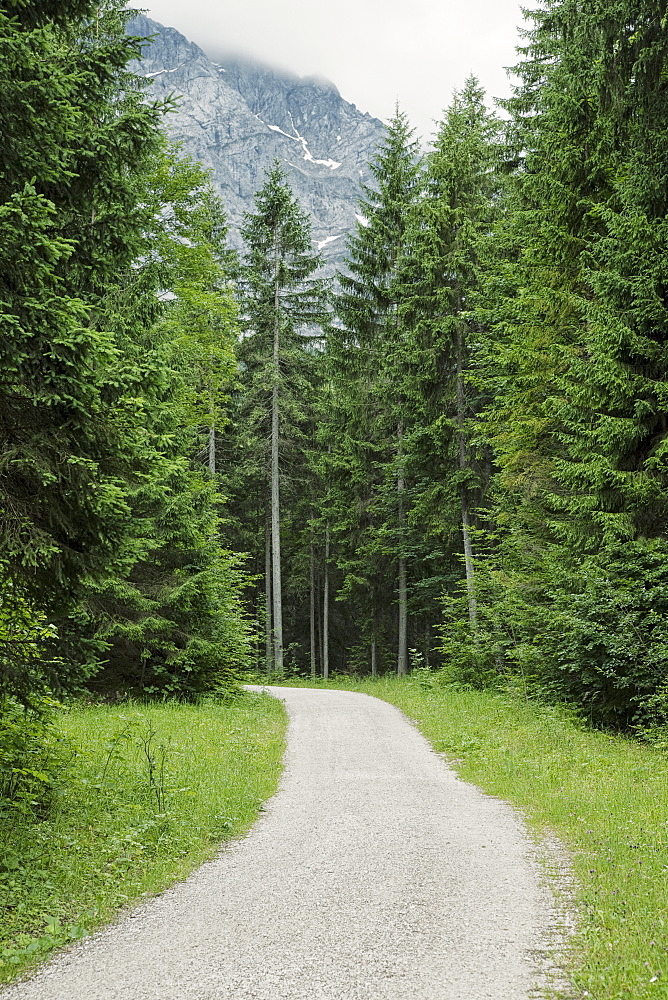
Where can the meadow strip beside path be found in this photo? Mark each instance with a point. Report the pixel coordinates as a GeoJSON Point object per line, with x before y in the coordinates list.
{"type": "Point", "coordinates": [375, 874]}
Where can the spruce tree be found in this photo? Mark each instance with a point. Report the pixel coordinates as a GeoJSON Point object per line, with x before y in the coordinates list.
{"type": "Point", "coordinates": [368, 419]}
{"type": "Point", "coordinates": [440, 279]}
{"type": "Point", "coordinates": [578, 359]}
{"type": "Point", "coordinates": [78, 137]}
{"type": "Point", "coordinates": [77, 133]}
{"type": "Point", "coordinates": [282, 305]}
{"type": "Point", "coordinates": [167, 612]}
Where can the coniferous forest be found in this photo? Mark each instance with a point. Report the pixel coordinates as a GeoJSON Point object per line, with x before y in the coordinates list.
{"type": "Point", "coordinates": [451, 457]}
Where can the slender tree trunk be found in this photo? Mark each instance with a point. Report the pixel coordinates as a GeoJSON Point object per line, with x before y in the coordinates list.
{"type": "Point", "coordinates": [212, 441]}
{"type": "Point", "coordinates": [275, 493]}
{"type": "Point", "coordinates": [463, 466]}
{"type": "Point", "coordinates": [312, 609]}
{"type": "Point", "coordinates": [374, 639]}
{"type": "Point", "coordinates": [402, 651]}
{"type": "Point", "coordinates": [402, 657]}
{"type": "Point", "coordinates": [268, 640]}
{"type": "Point", "coordinates": [318, 617]}
{"type": "Point", "coordinates": [325, 611]}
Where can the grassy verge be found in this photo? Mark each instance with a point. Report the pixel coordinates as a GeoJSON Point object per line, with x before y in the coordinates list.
{"type": "Point", "coordinates": [605, 797]}
{"type": "Point", "coordinates": [149, 793]}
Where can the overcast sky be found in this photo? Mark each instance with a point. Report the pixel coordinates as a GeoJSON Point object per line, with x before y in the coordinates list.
{"type": "Point", "coordinates": [375, 51]}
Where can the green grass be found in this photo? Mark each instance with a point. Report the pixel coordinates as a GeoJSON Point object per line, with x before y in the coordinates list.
{"type": "Point", "coordinates": [605, 797]}
{"type": "Point", "coordinates": [150, 792]}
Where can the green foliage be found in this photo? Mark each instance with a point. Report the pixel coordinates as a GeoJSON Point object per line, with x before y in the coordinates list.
{"type": "Point", "coordinates": [582, 347]}
{"type": "Point", "coordinates": [441, 277]}
{"type": "Point", "coordinates": [279, 251]}
{"type": "Point", "coordinates": [591, 634]}
{"type": "Point", "coordinates": [148, 794]}
{"type": "Point", "coordinates": [366, 410]}
{"type": "Point", "coordinates": [571, 360]}
{"type": "Point", "coordinates": [117, 353]}
{"type": "Point", "coordinates": [76, 136]}
{"type": "Point", "coordinates": [26, 647]}
{"type": "Point", "coordinates": [191, 263]}
{"type": "Point", "coordinates": [33, 757]}
{"type": "Point", "coordinates": [494, 382]}
{"type": "Point", "coordinates": [282, 299]}
{"type": "Point", "coordinates": [605, 642]}
{"type": "Point", "coordinates": [168, 612]}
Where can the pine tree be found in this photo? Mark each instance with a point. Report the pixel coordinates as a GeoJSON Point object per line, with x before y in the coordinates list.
{"type": "Point", "coordinates": [282, 305]}
{"type": "Point", "coordinates": [440, 278]}
{"type": "Point", "coordinates": [367, 423]}
{"type": "Point", "coordinates": [578, 360]}
{"type": "Point", "coordinates": [77, 135]}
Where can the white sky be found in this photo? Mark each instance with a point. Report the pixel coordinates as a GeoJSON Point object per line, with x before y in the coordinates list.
{"type": "Point", "coordinates": [375, 51]}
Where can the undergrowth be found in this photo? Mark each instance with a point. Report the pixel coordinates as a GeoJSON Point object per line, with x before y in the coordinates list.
{"type": "Point", "coordinates": [132, 799]}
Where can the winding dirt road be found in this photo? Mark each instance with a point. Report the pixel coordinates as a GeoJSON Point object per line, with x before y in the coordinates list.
{"type": "Point", "coordinates": [375, 874]}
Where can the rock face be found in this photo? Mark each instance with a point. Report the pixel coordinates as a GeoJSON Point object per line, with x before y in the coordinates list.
{"type": "Point", "coordinates": [237, 116]}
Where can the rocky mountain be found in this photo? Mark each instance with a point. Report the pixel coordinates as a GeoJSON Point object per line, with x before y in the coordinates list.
{"type": "Point", "coordinates": [236, 116]}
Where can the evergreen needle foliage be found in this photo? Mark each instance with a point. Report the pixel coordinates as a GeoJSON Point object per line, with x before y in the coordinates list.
{"type": "Point", "coordinates": [117, 356]}
{"type": "Point", "coordinates": [283, 306]}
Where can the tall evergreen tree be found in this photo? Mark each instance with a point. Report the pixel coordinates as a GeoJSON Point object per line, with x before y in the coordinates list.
{"type": "Point", "coordinates": [440, 278]}
{"type": "Point", "coordinates": [77, 135]}
{"type": "Point", "coordinates": [167, 612]}
{"type": "Point", "coordinates": [578, 358]}
{"type": "Point", "coordinates": [368, 419]}
{"type": "Point", "coordinates": [282, 306]}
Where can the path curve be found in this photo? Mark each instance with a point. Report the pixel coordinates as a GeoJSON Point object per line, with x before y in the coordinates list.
{"type": "Point", "coordinates": [375, 874]}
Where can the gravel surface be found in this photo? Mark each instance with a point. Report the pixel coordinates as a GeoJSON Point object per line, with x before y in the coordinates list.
{"type": "Point", "coordinates": [375, 874]}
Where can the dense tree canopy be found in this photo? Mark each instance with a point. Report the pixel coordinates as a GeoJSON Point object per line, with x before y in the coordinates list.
{"type": "Point", "coordinates": [117, 344]}
{"type": "Point", "coordinates": [282, 303]}
{"type": "Point", "coordinates": [77, 135]}
{"type": "Point", "coordinates": [458, 460]}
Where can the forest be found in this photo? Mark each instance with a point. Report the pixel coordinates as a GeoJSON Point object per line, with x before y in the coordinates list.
{"type": "Point", "coordinates": [448, 464]}
{"type": "Point", "coordinates": [450, 458]}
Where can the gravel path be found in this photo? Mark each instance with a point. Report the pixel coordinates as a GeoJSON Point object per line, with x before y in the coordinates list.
{"type": "Point", "coordinates": [375, 874]}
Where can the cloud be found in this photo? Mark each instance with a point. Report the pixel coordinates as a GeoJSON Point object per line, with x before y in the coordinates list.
{"type": "Point", "coordinates": [375, 51]}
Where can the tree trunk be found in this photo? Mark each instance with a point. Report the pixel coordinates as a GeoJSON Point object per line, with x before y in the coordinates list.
{"type": "Point", "coordinates": [275, 494]}
{"type": "Point", "coordinates": [318, 616]}
{"type": "Point", "coordinates": [268, 640]}
{"type": "Point", "coordinates": [212, 439]}
{"type": "Point", "coordinates": [325, 611]}
{"type": "Point", "coordinates": [402, 651]}
{"type": "Point", "coordinates": [312, 609]}
{"type": "Point", "coordinates": [374, 657]}
{"type": "Point", "coordinates": [212, 452]}
{"type": "Point", "coordinates": [402, 656]}
{"type": "Point", "coordinates": [463, 466]}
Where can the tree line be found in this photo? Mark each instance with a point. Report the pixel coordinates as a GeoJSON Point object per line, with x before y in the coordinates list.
{"type": "Point", "coordinates": [451, 457]}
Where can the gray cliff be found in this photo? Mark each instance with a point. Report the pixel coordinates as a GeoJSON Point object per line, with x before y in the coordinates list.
{"type": "Point", "coordinates": [236, 116]}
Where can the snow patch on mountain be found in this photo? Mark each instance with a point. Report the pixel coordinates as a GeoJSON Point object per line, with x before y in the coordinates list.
{"type": "Point", "coordinates": [330, 239]}
{"type": "Point", "coordinates": [332, 164]}
{"type": "Point", "coordinates": [149, 76]}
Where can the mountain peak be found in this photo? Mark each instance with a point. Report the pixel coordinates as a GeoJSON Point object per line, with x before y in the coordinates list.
{"type": "Point", "coordinates": [236, 116]}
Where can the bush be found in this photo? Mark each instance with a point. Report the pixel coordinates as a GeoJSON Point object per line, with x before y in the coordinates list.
{"type": "Point", "coordinates": [33, 756]}
{"type": "Point", "coordinates": [593, 635]}
{"type": "Point", "coordinates": [605, 642]}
